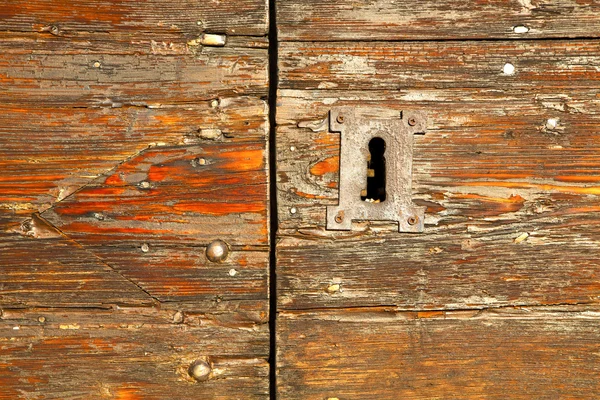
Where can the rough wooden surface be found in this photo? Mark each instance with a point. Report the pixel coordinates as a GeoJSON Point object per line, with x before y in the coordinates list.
{"type": "Point", "coordinates": [325, 20]}
{"type": "Point", "coordinates": [55, 271]}
{"type": "Point", "coordinates": [155, 17]}
{"type": "Point", "coordinates": [81, 144]}
{"type": "Point", "coordinates": [504, 188]}
{"type": "Point", "coordinates": [384, 354]}
{"type": "Point", "coordinates": [130, 353]}
{"type": "Point", "coordinates": [508, 170]}
{"type": "Point", "coordinates": [127, 145]}
{"type": "Point", "coordinates": [180, 194]}
{"type": "Point", "coordinates": [546, 66]}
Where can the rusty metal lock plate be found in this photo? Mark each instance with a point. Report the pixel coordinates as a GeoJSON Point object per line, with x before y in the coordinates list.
{"type": "Point", "coordinates": [357, 127]}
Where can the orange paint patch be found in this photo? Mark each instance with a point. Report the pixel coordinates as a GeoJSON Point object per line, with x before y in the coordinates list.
{"type": "Point", "coordinates": [114, 180]}
{"type": "Point", "coordinates": [245, 160]}
{"type": "Point", "coordinates": [158, 174]}
{"type": "Point", "coordinates": [127, 394]}
{"type": "Point", "coordinates": [307, 195]}
{"type": "Point", "coordinates": [220, 208]}
{"type": "Point", "coordinates": [329, 165]}
{"type": "Point", "coordinates": [430, 314]}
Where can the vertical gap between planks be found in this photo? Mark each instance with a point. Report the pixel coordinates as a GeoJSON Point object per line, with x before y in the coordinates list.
{"type": "Point", "coordinates": [274, 223]}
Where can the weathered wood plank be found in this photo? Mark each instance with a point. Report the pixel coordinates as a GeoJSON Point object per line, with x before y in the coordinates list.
{"type": "Point", "coordinates": [550, 260]}
{"type": "Point", "coordinates": [131, 353]}
{"type": "Point", "coordinates": [547, 66]}
{"type": "Point", "coordinates": [481, 148]}
{"type": "Point", "coordinates": [100, 72]}
{"type": "Point", "coordinates": [53, 271]}
{"type": "Point", "coordinates": [182, 273]}
{"type": "Point", "coordinates": [150, 18]}
{"type": "Point", "coordinates": [80, 144]}
{"type": "Point", "coordinates": [181, 194]}
{"type": "Point", "coordinates": [325, 20]}
{"type": "Point", "coordinates": [383, 354]}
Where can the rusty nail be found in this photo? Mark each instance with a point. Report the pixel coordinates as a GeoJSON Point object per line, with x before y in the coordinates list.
{"type": "Point", "coordinates": [412, 121]}
{"type": "Point", "coordinates": [340, 119]}
{"type": "Point", "coordinates": [339, 218]}
{"type": "Point", "coordinates": [200, 370]}
{"type": "Point", "coordinates": [217, 251]}
{"type": "Point", "coordinates": [413, 220]}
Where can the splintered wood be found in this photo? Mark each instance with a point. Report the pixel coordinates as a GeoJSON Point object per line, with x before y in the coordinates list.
{"type": "Point", "coordinates": [508, 171]}
{"type": "Point", "coordinates": [132, 136]}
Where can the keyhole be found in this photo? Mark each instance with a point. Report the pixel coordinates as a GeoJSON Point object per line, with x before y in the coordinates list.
{"type": "Point", "coordinates": [375, 192]}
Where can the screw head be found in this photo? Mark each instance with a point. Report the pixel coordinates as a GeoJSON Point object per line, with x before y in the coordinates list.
{"type": "Point", "coordinates": [217, 251]}
{"type": "Point", "coordinates": [413, 220]}
{"type": "Point", "coordinates": [340, 119]}
{"type": "Point", "coordinates": [412, 121]}
{"type": "Point", "coordinates": [339, 218]}
{"type": "Point", "coordinates": [145, 247]}
{"type": "Point", "coordinates": [200, 370]}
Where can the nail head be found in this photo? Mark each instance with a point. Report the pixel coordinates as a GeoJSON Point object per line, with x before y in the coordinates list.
{"type": "Point", "coordinates": [217, 251]}
{"type": "Point", "coordinates": [200, 370]}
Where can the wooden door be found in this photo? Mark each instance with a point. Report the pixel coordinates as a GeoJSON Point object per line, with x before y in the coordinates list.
{"type": "Point", "coordinates": [133, 134]}
{"type": "Point", "coordinates": [499, 296]}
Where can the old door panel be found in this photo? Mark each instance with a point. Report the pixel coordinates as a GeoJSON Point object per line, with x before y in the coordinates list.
{"type": "Point", "coordinates": [507, 170]}
{"type": "Point", "coordinates": [128, 145]}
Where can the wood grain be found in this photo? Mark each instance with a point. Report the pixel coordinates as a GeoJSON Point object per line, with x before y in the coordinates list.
{"type": "Point", "coordinates": [180, 194]}
{"type": "Point", "coordinates": [510, 196]}
{"type": "Point", "coordinates": [57, 272]}
{"type": "Point", "coordinates": [324, 20]}
{"type": "Point", "coordinates": [119, 299]}
{"type": "Point", "coordinates": [149, 18]}
{"type": "Point", "coordinates": [383, 354]}
{"type": "Point", "coordinates": [498, 298]}
{"type": "Point", "coordinates": [547, 66]}
{"type": "Point", "coordinates": [81, 144]}
{"type": "Point", "coordinates": [131, 353]}
{"type": "Point", "coordinates": [100, 71]}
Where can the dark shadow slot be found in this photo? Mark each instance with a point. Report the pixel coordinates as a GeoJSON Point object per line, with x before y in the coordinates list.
{"type": "Point", "coordinates": [274, 222]}
{"type": "Point", "coordinates": [375, 192]}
